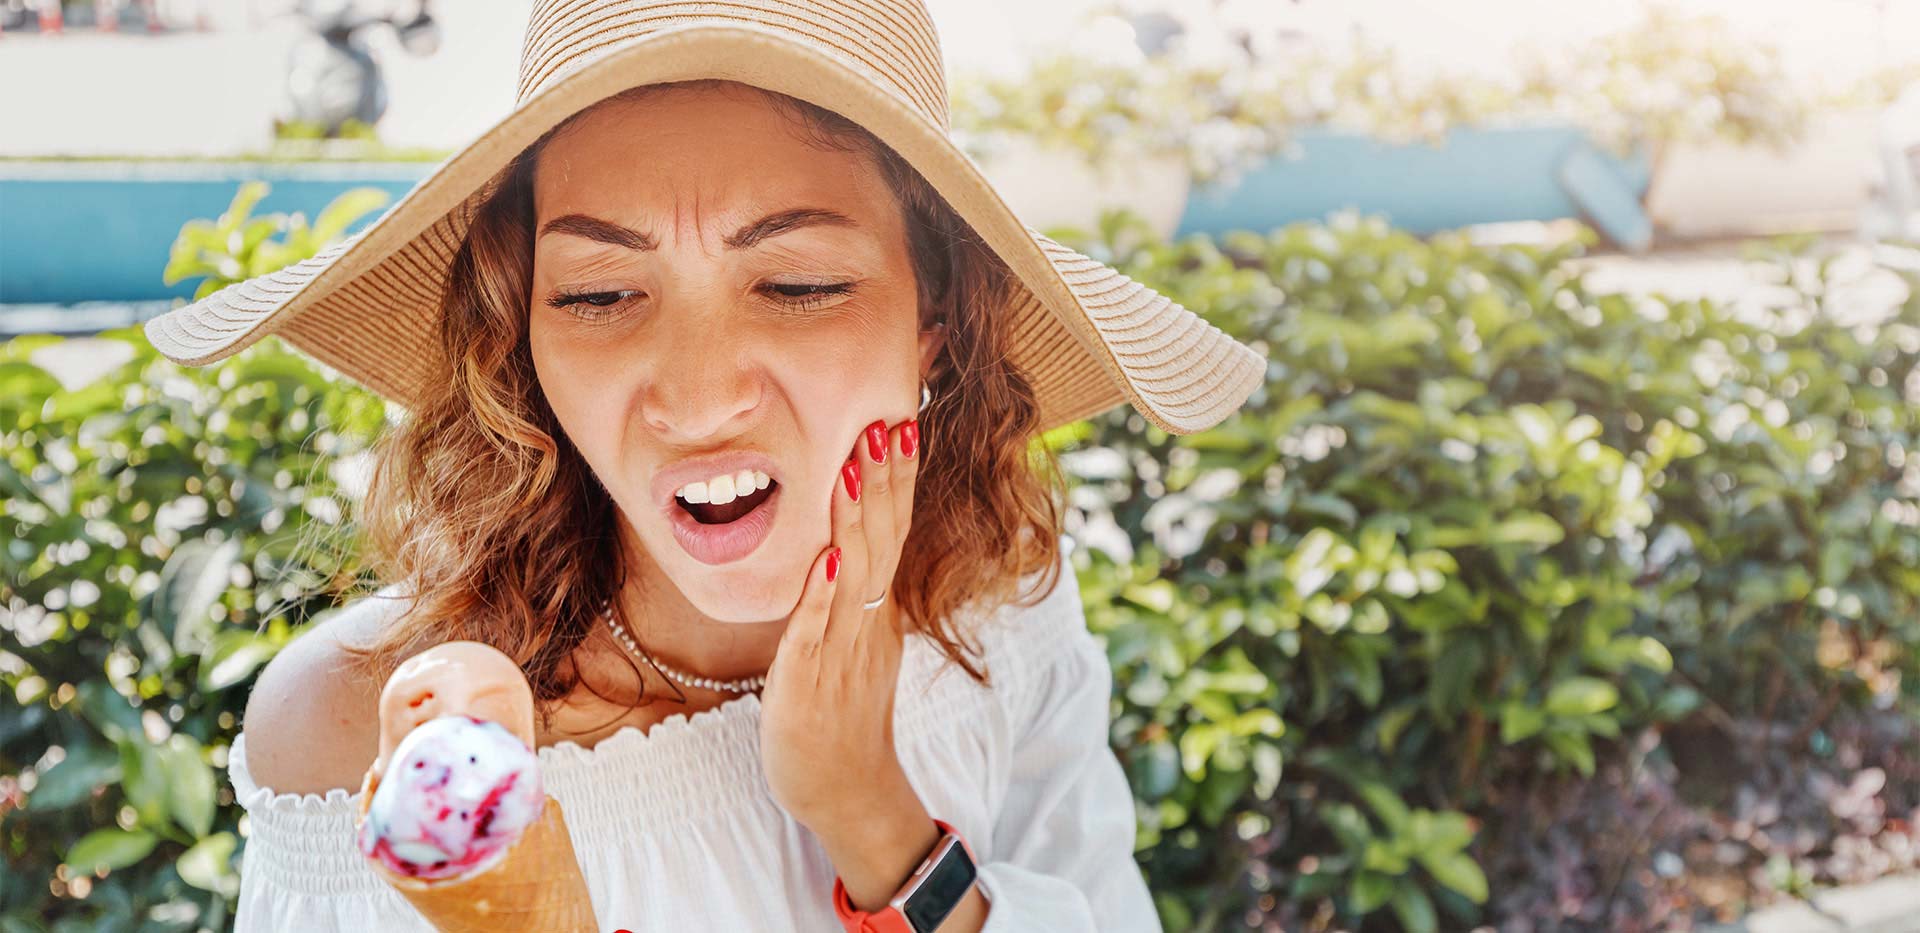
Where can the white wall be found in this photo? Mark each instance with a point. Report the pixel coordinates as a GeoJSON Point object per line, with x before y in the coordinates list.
{"type": "Point", "coordinates": [216, 92]}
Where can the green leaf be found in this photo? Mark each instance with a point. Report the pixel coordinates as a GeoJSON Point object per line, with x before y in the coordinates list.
{"type": "Point", "coordinates": [193, 579]}
{"type": "Point", "coordinates": [1260, 721]}
{"type": "Point", "coordinates": [1581, 696]}
{"type": "Point", "coordinates": [1414, 908]}
{"type": "Point", "coordinates": [110, 849]}
{"type": "Point", "coordinates": [23, 380]}
{"type": "Point", "coordinates": [232, 657]}
{"type": "Point", "coordinates": [1221, 789]}
{"type": "Point", "coordinates": [1267, 765]}
{"type": "Point", "coordinates": [1676, 703]}
{"type": "Point", "coordinates": [1370, 890]}
{"type": "Point", "coordinates": [1520, 720]}
{"type": "Point", "coordinates": [143, 777]}
{"type": "Point", "coordinates": [209, 862]}
{"type": "Point", "coordinates": [1389, 724]}
{"type": "Point", "coordinates": [1330, 506]}
{"type": "Point", "coordinates": [191, 788]}
{"type": "Point", "coordinates": [1451, 688]}
{"type": "Point", "coordinates": [1384, 856]}
{"type": "Point", "coordinates": [1196, 747]}
{"type": "Point", "coordinates": [1531, 528]}
{"type": "Point", "coordinates": [1348, 825]}
{"type": "Point", "coordinates": [1641, 650]}
{"type": "Point", "coordinates": [1458, 872]}
{"type": "Point", "coordinates": [74, 779]}
{"type": "Point", "coordinates": [1363, 666]}
{"type": "Point", "coordinates": [1384, 803]}
{"type": "Point", "coordinates": [1441, 831]}
{"type": "Point", "coordinates": [350, 206]}
{"type": "Point", "coordinates": [1573, 747]}
{"type": "Point", "coordinates": [108, 711]}
{"type": "Point", "coordinates": [1311, 886]}
{"type": "Point", "coordinates": [1157, 595]}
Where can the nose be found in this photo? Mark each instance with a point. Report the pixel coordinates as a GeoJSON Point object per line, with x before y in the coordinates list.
{"type": "Point", "coordinates": [700, 384]}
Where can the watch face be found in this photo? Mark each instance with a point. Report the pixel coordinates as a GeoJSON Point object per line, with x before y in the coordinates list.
{"type": "Point", "coordinates": [945, 884]}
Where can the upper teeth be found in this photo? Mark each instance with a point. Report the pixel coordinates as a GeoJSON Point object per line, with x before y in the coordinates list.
{"type": "Point", "coordinates": [724, 488]}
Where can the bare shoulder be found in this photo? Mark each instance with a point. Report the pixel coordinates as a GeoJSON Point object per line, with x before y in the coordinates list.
{"type": "Point", "coordinates": [312, 724]}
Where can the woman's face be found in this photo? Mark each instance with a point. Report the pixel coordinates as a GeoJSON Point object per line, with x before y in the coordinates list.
{"type": "Point", "coordinates": [686, 323]}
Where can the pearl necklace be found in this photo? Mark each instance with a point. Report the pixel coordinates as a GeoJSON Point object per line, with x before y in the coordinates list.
{"type": "Point", "coordinates": [743, 685]}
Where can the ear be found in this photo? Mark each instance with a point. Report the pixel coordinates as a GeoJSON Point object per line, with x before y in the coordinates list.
{"type": "Point", "coordinates": [931, 340]}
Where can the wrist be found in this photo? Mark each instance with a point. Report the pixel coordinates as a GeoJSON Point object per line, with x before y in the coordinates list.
{"type": "Point", "coordinates": [875, 851]}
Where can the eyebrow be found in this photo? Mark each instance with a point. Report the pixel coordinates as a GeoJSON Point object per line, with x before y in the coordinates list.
{"type": "Point", "coordinates": [774, 224]}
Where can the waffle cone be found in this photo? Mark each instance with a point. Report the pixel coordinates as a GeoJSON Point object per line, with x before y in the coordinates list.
{"type": "Point", "coordinates": [536, 885]}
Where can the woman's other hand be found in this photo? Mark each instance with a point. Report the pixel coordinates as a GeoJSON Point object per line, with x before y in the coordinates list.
{"type": "Point", "coordinates": [826, 728]}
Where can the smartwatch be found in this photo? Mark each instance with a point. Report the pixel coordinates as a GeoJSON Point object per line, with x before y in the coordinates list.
{"type": "Point", "coordinates": [924, 901]}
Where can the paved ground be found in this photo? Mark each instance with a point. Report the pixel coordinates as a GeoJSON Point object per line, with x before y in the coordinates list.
{"type": "Point", "coordinates": [1890, 905]}
{"type": "Point", "coordinates": [1865, 287]}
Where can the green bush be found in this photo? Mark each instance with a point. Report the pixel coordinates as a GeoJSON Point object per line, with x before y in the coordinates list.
{"type": "Point", "coordinates": [1478, 524]}
{"type": "Point", "coordinates": [162, 527]}
{"type": "Point", "coordinates": [1479, 532]}
{"type": "Point", "coordinates": [155, 522]}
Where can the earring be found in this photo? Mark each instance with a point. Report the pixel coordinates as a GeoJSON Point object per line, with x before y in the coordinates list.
{"type": "Point", "coordinates": [926, 395]}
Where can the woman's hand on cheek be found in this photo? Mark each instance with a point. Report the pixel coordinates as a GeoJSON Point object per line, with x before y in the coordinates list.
{"type": "Point", "coordinates": [826, 727]}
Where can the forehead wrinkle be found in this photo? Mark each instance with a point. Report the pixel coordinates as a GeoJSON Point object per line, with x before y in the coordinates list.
{"type": "Point", "coordinates": [699, 222]}
{"type": "Point", "coordinates": [836, 165]}
{"type": "Point", "coordinates": [844, 250]}
{"type": "Point", "coordinates": [578, 258]}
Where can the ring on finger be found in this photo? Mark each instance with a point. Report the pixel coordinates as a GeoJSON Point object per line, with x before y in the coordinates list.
{"type": "Point", "coordinates": [876, 603]}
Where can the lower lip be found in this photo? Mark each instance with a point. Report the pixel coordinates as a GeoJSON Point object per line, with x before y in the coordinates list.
{"type": "Point", "coordinates": [724, 544]}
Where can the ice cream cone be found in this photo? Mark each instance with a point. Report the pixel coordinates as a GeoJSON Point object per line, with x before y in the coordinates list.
{"type": "Point", "coordinates": [458, 709]}
{"type": "Point", "coordinates": [535, 886]}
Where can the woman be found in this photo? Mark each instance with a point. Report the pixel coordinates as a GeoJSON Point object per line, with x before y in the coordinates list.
{"type": "Point", "coordinates": [723, 369]}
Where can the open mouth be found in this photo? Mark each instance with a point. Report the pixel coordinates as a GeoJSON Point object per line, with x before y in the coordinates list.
{"type": "Point", "coordinates": [706, 513]}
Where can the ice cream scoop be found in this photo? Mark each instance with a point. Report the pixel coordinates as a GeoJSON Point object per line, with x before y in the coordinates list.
{"type": "Point", "coordinates": [458, 792]}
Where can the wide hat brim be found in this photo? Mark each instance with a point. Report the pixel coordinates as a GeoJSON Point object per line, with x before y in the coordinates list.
{"type": "Point", "coordinates": [1088, 337]}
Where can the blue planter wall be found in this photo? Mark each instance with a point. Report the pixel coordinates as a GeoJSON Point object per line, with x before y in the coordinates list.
{"type": "Point", "coordinates": [102, 231]}
{"type": "Point", "coordinates": [1474, 176]}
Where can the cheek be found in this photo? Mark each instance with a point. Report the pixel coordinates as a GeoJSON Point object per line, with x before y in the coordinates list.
{"type": "Point", "coordinates": [858, 356]}
{"type": "Point", "coordinates": [845, 378]}
{"type": "Point", "coordinates": [581, 402]}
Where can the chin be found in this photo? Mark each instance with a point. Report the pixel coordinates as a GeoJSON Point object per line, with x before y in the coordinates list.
{"type": "Point", "coordinates": [761, 587]}
{"type": "Point", "coordinates": [742, 593]}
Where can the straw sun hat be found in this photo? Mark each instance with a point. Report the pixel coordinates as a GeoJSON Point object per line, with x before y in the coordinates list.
{"type": "Point", "coordinates": [1088, 337]}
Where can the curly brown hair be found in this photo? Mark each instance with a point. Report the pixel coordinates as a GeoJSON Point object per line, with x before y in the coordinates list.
{"type": "Point", "coordinates": [495, 529]}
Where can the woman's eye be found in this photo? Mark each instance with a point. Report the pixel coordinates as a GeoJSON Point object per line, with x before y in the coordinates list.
{"type": "Point", "coordinates": [795, 294]}
{"type": "Point", "coordinates": [562, 300]}
{"type": "Point", "coordinates": [806, 294]}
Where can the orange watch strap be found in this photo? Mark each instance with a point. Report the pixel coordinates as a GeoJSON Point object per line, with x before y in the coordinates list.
{"type": "Point", "coordinates": [887, 919]}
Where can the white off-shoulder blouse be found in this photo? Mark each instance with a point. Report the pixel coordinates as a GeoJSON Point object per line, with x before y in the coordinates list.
{"type": "Point", "coordinates": [676, 829]}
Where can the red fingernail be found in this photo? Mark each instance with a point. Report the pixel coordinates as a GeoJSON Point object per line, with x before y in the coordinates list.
{"type": "Point", "coordinates": [833, 565]}
{"type": "Point", "coordinates": [910, 438]}
{"type": "Point", "coordinates": [850, 474]}
{"type": "Point", "coordinates": [877, 441]}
